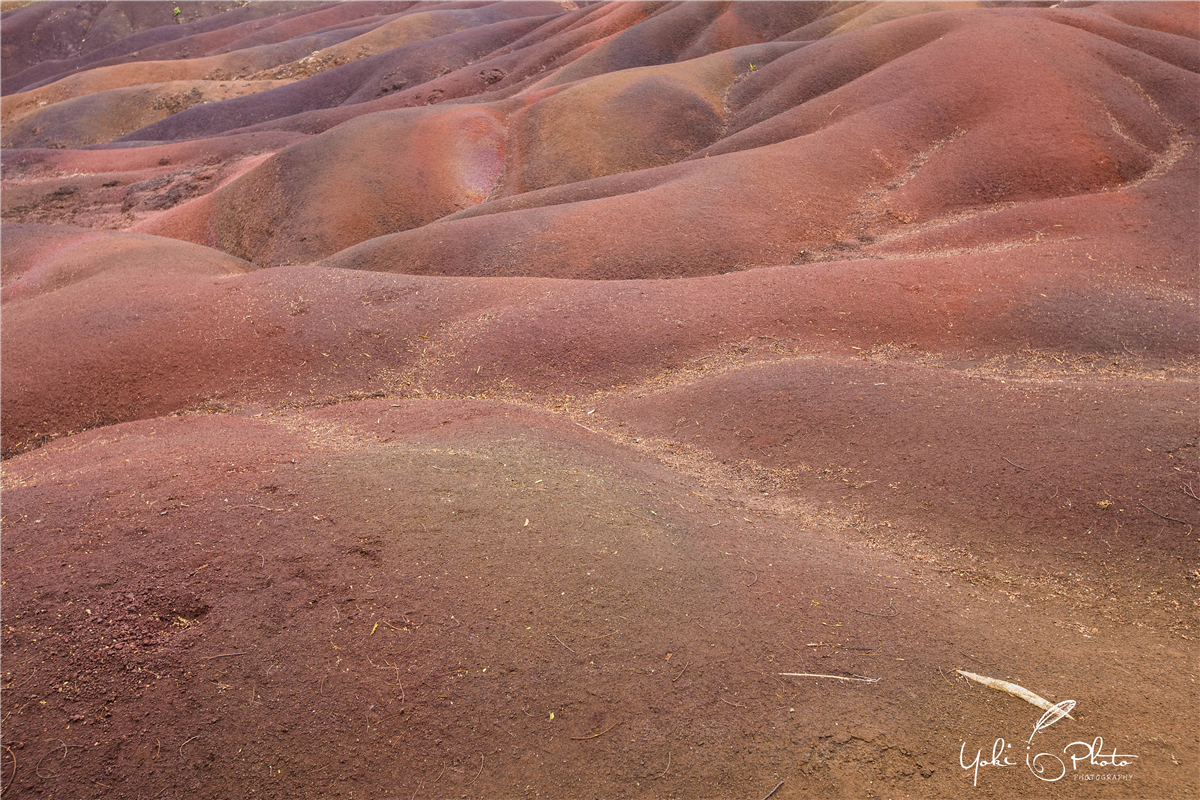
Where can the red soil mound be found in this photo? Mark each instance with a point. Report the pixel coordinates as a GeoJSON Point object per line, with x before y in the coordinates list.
{"type": "Point", "coordinates": [829, 133]}
{"type": "Point", "coordinates": [607, 399]}
{"type": "Point", "coordinates": [43, 259]}
{"type": "Point", "coordinates": [406, 169]}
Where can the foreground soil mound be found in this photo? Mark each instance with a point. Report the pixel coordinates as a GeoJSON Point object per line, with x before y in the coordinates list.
{"type": "Point", "coordinates": [553, 399]}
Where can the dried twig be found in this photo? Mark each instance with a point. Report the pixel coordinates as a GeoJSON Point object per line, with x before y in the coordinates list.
{"type": "Point", "coordinates": [64, 747]}
{"type": "Point", "coordinates": [776, 789]}
{"type": "Point", "coordinates": [680, 675]}
{"type": "Point", "coordinates": [37, 768]}
{"type": "Point", "coordinates": [1155, 513]}
{"type": "Point", "coordinates": [596, 735]}
{"type": "Point", "coordinates": [835, 677]}
{"type": "Point", "coordinates": [1018, 466]}
{"type": "Point", "coordinates": [752, 572]}
{"type": "Point", "coordinates": [477, 774]}
{"type": "Point", "coordinates": [560, 641]}
{"type": "Point", "coordinates": [185, 741]}
{"type": "Point", "coordinates": [869, 614]}
{"type": "Point", "coordinates": [398, 683]}
{"type": "Point", "coordinates": [1189, 491]}
{"type": "Point", "coordinates": [668, 769]}
{"type": "Point", "coordinates": [390, 665]}
{"type": "Point", "coordinates": [1011, 688]}
{"type": "Point", "coordinates": [222, 655]}
{"type": "Point", "coordinates": [13, 774]}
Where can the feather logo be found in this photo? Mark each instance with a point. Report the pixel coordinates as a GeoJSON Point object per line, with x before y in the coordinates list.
{"type": "Point", "coordinates": [1053, 715]}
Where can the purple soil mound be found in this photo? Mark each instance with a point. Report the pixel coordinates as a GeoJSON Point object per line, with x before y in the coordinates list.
{"type": "Point", "coordinates": [468, 37]}
{"type": "Point", "coordinates": [640, 399]}
{"type": "Point", "coordinates": [56, 39]}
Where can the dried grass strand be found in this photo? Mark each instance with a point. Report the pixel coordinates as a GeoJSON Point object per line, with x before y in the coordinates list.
{"type": "Point", "coordinates": [1011, 688]}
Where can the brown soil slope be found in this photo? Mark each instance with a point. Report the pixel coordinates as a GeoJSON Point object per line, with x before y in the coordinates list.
{"type": "Point", "coordinates": [536, 399]}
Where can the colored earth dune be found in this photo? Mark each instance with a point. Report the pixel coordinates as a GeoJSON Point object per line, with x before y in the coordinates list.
{"type": "Point", "coordinates": [598, 399]}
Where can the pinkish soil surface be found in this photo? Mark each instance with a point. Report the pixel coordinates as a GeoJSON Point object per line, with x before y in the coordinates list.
{"type": "Point", "coordinates": [599, 400]}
